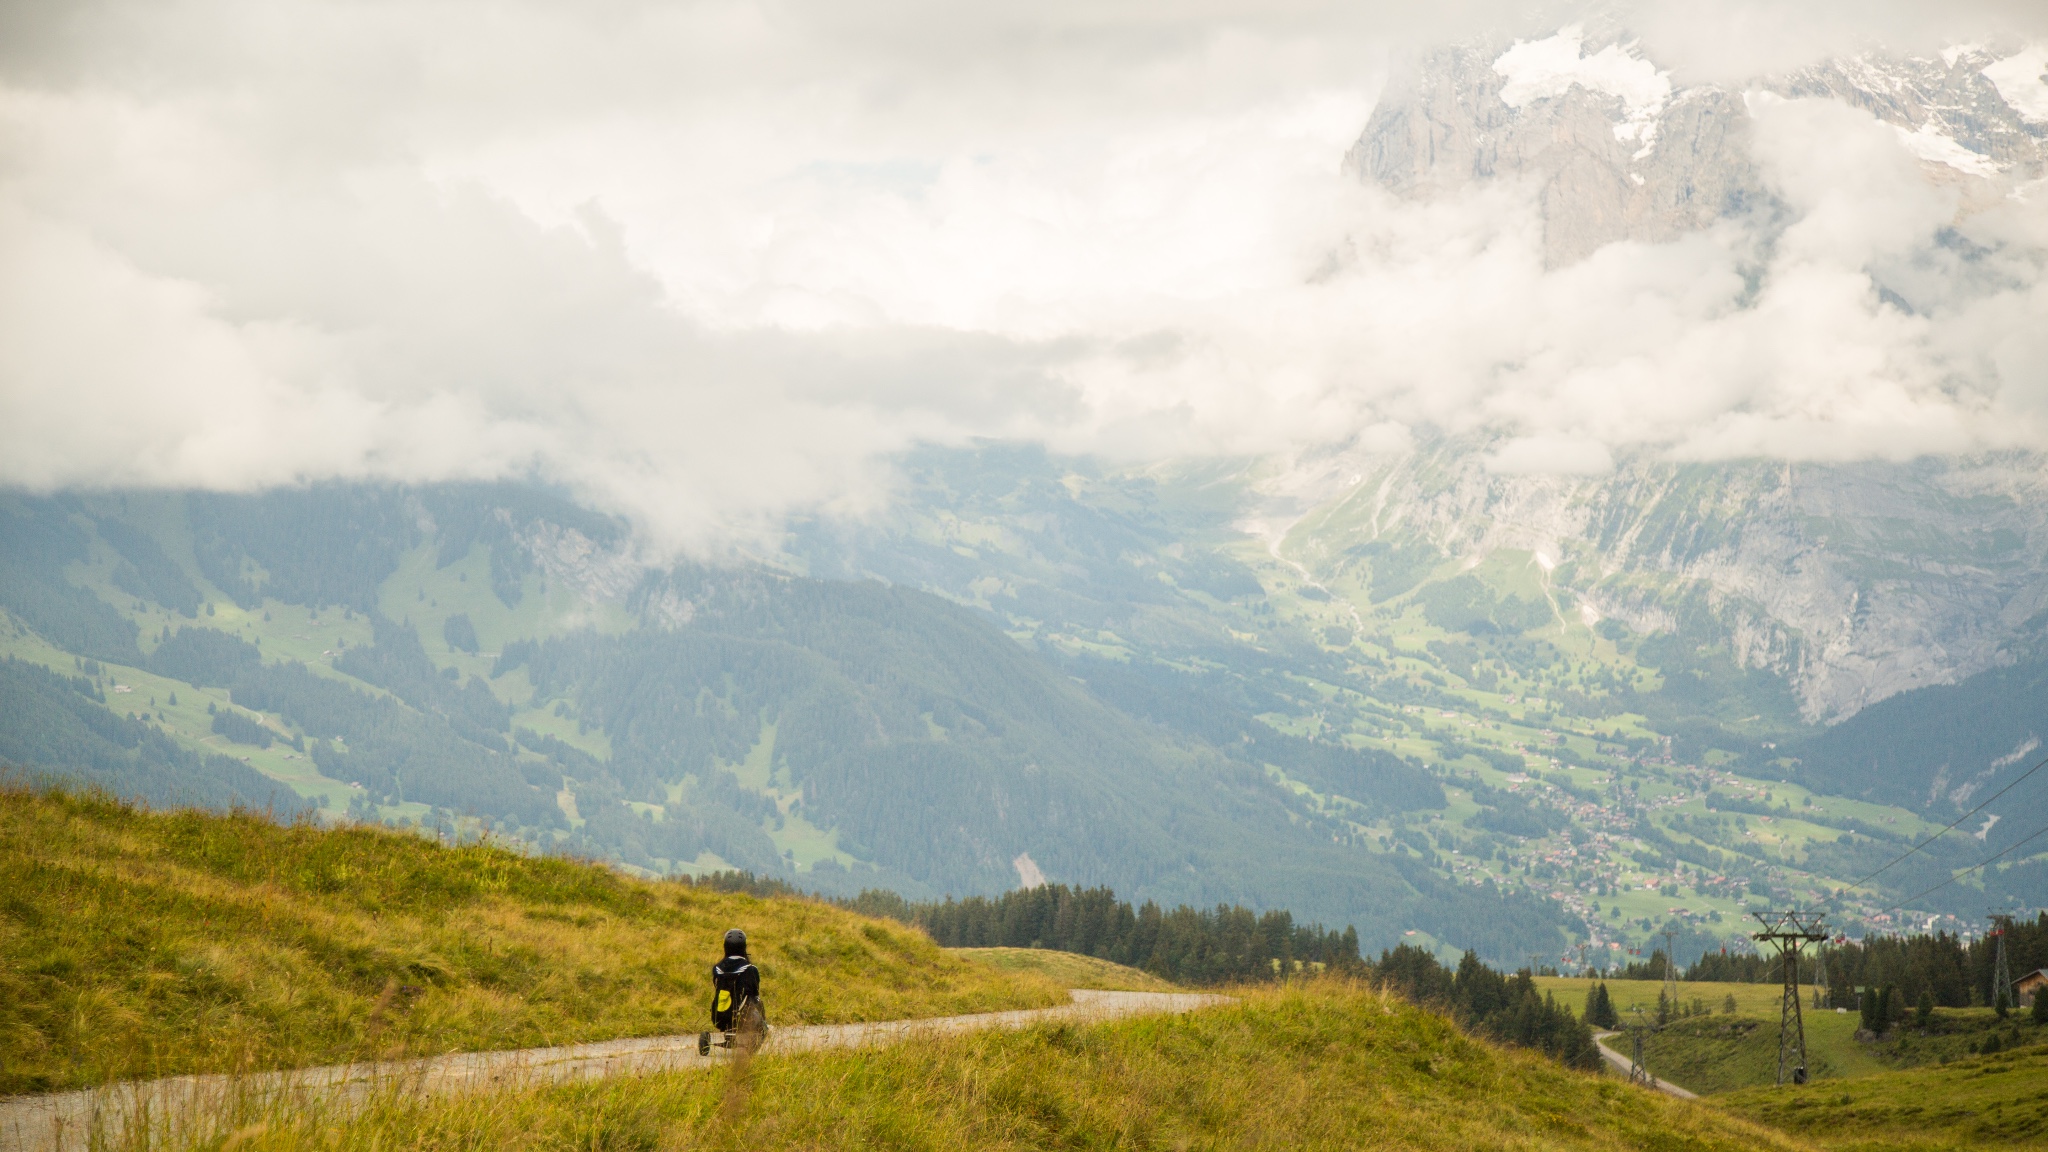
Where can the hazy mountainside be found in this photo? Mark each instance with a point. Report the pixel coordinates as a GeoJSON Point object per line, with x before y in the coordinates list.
{"type": "Point", "coordinates": [65, 722]}
{"type": "Point", "coordinates": [934, 745]}
{"type": "Point", "coordinates": [1614, 680]}
{"type": "Point", "coordinates": [1945, 750]}
{"type": "Point", "coordinates": [1731, 606]}
{"type": "Point", "coordinates": [492, 659]}
{"type": "Point", "coordinates": [1623, 154]}
{"type": "Point", "coordinates": [374, 742]}
{"type": "Point", "coordinates": [1738, 610]}
{"type": "Point", "coordinates": [1846, 583]}
{"type": "Point", "coordinates": [1952, 743]}
{"type": "Point", "coordinates": [37, 542]}
{"type": "Point", "coordinates": [1066, 550]}
{"type": "Point", "coordinates": [1404, 694]}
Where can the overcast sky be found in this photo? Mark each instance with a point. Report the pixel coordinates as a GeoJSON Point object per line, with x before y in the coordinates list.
{"type": "Point", "coordinates": [708, 263]}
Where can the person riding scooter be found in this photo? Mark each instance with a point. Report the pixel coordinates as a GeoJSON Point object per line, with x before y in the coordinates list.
{"type": "Point", "coordinates": [736, 1008]}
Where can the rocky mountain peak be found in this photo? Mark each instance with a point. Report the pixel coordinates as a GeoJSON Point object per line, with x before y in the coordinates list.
{"type": "Point", "coordinates": [1622, 153]}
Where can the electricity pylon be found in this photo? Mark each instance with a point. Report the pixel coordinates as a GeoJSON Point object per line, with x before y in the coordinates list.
{"type": "Point", "coordinates": [1790, 932]}
{"type": "Point", "coordinates": [2001, 972]}
{"type": "Point", "coordinates": [1637, 1072]}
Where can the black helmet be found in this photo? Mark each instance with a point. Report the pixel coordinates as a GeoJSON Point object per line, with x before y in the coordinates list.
{"type": "Point", "coordinates": [735, 943]}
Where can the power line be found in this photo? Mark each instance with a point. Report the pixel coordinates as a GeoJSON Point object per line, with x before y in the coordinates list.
{"type": "Point", "coordinates": [1945, 831]}
{"type": "Point", "coordinates": [2043, 831]}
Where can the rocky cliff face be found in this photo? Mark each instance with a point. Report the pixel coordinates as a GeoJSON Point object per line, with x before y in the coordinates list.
{"type": "Point", "coordinates": [1620, 154]}
{"type": "Point", "coordinates": [1852, 582]}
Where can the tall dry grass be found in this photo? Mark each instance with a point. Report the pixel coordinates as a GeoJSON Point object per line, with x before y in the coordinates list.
{"type": "Point", "coordinates": [1327, 1064]}
{"type": "Point", "coordinates": [137, 943]}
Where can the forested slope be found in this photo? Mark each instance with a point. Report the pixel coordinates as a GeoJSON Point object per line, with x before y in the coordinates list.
{"type": "Point", "coordinates": [54, 725]}
{"type": "Point", "coordinates": [1945, 750]}
{"type": "Point", "coordinates": [943, 752]}
{"type": "Point", "coordinates": [483, 658]}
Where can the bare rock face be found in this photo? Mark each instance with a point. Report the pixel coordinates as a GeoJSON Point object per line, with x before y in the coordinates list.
{"type": "Point", "coordinates": [1850, 582]}
{"type": "Point", "coordinates": [1622, 155]}
{"type": "Point", "coordinates": [1965, 111]}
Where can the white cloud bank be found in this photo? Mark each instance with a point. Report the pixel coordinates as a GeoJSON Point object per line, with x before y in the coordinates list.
{"type": "Point", "coordinates": [708, 262]}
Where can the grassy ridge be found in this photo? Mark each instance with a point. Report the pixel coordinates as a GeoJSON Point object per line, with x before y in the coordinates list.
{"type": "Point", "coordinates": [137, 943]}
{"type": "Point", "coordinates": [1981, 1102]}
{"type": "Point", "coordinates": [1325, 1064]}
{"type": "Point", "coordinates": [1068, 969]}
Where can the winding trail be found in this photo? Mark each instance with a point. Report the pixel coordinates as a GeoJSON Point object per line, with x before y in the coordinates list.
{"type": "Point", "coordinates": [1621, 1064]}
{"type": "Point", "coordinates": [192, 1105]}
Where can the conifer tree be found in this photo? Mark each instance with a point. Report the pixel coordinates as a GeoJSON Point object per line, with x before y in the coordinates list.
{"type": "Point", "coordinates": [1600, 1010]}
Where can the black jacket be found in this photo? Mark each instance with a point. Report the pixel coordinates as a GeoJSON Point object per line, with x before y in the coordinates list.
{"type": "Point", "coordinates": [734, 981]}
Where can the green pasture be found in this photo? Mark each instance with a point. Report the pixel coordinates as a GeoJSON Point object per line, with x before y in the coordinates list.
{"type": "Point", "coordinates": [1976, 1102]}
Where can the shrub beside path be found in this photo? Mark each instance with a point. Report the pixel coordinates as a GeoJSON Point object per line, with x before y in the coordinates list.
{"type": "Point", "coordinates": [66, 1120]}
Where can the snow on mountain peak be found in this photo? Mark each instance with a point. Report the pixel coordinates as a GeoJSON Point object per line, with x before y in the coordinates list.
{"type": "Point", "coordinates": [2022, 82]}
{"type": "Point", "coordinates": [1955, 52]}
{"type": "Point", "coordinates": [1934, 145]}
{"type": "Point", "coordinates": [1545, 69]}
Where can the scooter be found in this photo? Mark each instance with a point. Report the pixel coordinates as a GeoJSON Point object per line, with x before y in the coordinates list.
{"type": "Point", "coordinates": [749, 1030]}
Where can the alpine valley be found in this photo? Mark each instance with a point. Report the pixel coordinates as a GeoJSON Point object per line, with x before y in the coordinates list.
{"type": "Point", "coordinates": [1531, 714]}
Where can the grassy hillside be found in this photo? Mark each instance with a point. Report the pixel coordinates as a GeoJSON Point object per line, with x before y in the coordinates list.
{"type": "Point", "coordinates": [1723, 1053]}
{"type": "Point", "coordinates": [1322, 1065]}
{"type": "Point", "coordinates": [1750, 999]}
{"type": "Point", "coordinates": [139, 943]}
{"type": "Point", "coordinates": [1981, 1102]}
{"type": "Point", "coordinates": [1720, 1051]}
{"type": "Point", "coordinates": [1067, 969]}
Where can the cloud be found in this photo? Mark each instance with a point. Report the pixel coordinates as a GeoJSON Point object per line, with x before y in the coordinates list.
{"type": "Point", "coordinates": [1550, 455]}
{"type": "Point", "coordinates": [710, 263]}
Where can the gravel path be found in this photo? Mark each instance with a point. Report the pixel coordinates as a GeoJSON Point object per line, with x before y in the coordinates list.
{"type": "Point", "coordinates": [63, 1121]}
{"type": "Point", "coordinates": [1621, 1064]}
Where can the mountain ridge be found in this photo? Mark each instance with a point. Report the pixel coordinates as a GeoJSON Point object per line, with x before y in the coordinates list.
{"type": "Point", "coordinates": [1620, 153]}
{"type": "Point", "coordinates": [841, 734]}
{"type": "Point", "coordinates": [1421, 708]}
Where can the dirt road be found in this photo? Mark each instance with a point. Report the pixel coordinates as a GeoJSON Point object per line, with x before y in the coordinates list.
{"type": "Point", "coordinates": [1621, 1064]}
{"type": "Point", "coordinates": [63, 1121]}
